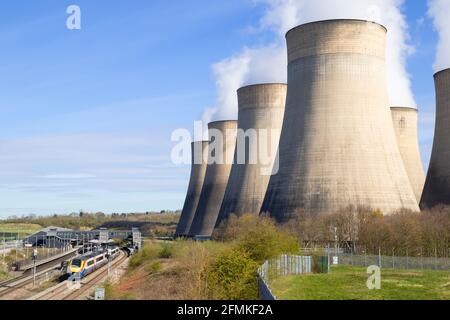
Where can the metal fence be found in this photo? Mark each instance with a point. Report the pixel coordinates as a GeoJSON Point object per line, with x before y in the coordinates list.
{"type": "Point", "coordinates": [11, 236]}
{"type": "Point", "coordinates": [11, 244]}
{"type": "Point", "coordinates": [43, 254]}
{"type": "Point", "coordinates": [392, 262]}
{"type": "Point", "coordinates": [285, 265]}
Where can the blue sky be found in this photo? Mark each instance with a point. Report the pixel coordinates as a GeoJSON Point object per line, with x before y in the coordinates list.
{"type": "Point", "coordinates": [87, 115]}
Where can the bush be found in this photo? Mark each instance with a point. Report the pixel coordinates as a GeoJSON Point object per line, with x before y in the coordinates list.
{"type": "Point", "coordinates": [260, 237]}
{"type": "Point", "coordinates": [232, 276]}
{"type": "Point", "coordinates": [148, 252]}
{"type": "Point", "coordinates": [153, 268]}
{"type": "Point", "coordinates": [166, 251]}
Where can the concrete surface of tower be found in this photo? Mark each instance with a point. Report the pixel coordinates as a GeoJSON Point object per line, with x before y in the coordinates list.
{"type": "Point", "coordinates": [338, 145]}
{"type": "Point", "coordinates": [261, 112]}
{"type": "Point", "coordinates": [198, 172]}
{"type": "Point", "coordinates": [437, 185]}
{"type": "Point", "coordinates": [405, 124]}
{"type": "Point", "coordinates": [222, 136]}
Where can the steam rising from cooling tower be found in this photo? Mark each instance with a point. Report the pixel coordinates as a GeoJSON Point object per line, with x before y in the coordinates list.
{"type": "Point", "coordinates": [437, 185]}
{"type": "Point", "coordinates": [220, 160]}
{"type": "Point", "coordinates": [338, 145]}
{"type": "Point", "coordinates": [198, 172]}
{"type": "Point", "coordinates": [438, 11]}
{"type": "Point", "coordinates": [261, 111]}
{"type": "Point", "coordinates": [405, 124]}
{"type": "Point", "coordinates": [266, 63]}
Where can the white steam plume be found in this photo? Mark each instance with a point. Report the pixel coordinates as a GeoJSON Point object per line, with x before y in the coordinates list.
{"type": "Point", "coordinates": [269, 63]}
{"type": "Point", "coordinates": [439, 11]}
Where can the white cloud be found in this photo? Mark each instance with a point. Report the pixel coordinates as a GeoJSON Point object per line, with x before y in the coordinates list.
{"type": "Point", "coordinates": [69, 176]}
{"type": "Point", "coordinates": [268, 63]}
{"type": "Point", "coordinates": [439, 11]}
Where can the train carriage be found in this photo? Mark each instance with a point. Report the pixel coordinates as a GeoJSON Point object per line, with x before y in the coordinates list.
{"type": "Point", "coordinates": [86, 264]}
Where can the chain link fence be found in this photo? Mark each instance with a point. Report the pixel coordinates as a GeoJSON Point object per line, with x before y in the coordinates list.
{"type": "Point", "coordinates": [43, 255]}
{"type": "Point", "coordinates": [391, 262]}
{"type": "Point", "coordinates": [286, 265]}
{"type": "Point", "coordinates": [346, 256]}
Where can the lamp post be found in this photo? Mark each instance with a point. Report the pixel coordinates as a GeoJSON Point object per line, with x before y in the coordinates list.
{"type": "Point", "coordinates": [108, 256]}
{"type": "Point", "coordinates": [35, 254]}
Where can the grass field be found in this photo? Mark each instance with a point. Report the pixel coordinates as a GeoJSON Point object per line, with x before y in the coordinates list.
{"type": "Point", "coordinates": [22, 228]}
{"type": "Point", "coordinates": [349, 283]}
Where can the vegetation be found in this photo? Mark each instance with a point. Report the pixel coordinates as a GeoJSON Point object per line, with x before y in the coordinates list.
{"type": "Point", "coordinates": [260, 237]}
{"type": "Point", "coordinates": [3, 274]}
{"type": "Point", "coordinates": [223, 269]}
{"type": "Point", "coordinates": [404, 233]}
{"type": "Point", "coordinates": [150, 224]}
{"type": "Point", "coordinates": [232, 276]}
{"type": "Point", "coordinates": [349, 283]}
{"type": "Point", "coordinates": [149, 252]}
{"type": "Point", "coordinates": [23, 229]}
{"type": "Point", "coordinates": [7, 261]}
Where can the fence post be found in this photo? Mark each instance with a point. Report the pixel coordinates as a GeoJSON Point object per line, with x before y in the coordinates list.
{"type": "Point", "coordinates": [421, 257]}
{"type": "Point", "coordinates": [436, 259]}
{"type": "Point", "coordinates": [329, 262]}
{"type": "Point", "coordinates": [393, 257]}
{"type": "Point", "coordinates": [379, 257]}
{"type": "Point", "coordinates": [407, 259]}
{"type": "Point", "coordinates": [365, 256]}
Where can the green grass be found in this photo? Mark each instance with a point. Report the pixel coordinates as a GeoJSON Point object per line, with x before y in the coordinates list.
{"type": "Point", "coordinates": [24, 229]}
{"type": "Point", "coordinates": [4, 275]}
{"type": "Point", "coordinates": [349, 283]}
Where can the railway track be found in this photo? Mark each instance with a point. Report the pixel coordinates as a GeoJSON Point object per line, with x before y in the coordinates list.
{"type": "Point", "coordinates": [62, 292]}
{"type": "Point", "coordinates": [26, 279]}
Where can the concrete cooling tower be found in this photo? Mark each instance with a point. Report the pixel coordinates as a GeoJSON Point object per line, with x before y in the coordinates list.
{"type": "Point", "coordinates": [338, 145]}
{"type": "Point", "coordinates": [220, 161]}
{"type": "Point", "coordinates": [261, 111]}
{"type": "Point", "coordinates": [437, 185]}
{"type": "Point", "coordinates": [405, 125]}
{"type": "Point", "coordinates": [198, 172]}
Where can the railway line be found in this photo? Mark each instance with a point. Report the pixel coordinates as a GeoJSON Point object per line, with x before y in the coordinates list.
{"type": "Point", "coordinates": [9, 286]}
{"type": "Point", "coordinates": [62, 291]}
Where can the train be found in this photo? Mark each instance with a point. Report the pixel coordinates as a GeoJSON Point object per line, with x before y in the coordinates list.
{"type": "Point", "coordinates": [86, 264]}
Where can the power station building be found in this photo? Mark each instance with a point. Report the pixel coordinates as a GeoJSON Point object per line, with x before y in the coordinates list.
{"type": "Point", "coordinates": [222, 143]}
{"type": "Point", "coordinates": [198, 172]}
{"type": "Point", "coordinates": [406, 129]}
{"type": "Point", "coordinates": [437, 185]}
{"type": "Point", "coordinates": [260, 118]}
{"type": "Point", "coordinates": [338, 145]}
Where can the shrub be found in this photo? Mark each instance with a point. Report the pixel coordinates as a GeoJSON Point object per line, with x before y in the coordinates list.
{"type": "Point", "coordinates": [266, 241]}
{"type": "Point", "coordinates": [260, 237]}
{"type": "Point", "coordinates": [166, 251]}
{"type": "Point", "coordinates": [154, 267]}
{"type": "Point", "coordinates": [148, 252]}
{"type": "Point", "coordinates": [232, 276]}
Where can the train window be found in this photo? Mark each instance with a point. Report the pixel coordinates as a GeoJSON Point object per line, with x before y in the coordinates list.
{"type": "Point", "coordinates": [90, 263]}
{"type": "Point", "coordinates": [100, 258]}
{"type": "Point", "coordinates": [76, 263]}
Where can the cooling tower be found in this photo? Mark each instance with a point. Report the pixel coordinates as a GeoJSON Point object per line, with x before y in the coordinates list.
{"type": "Point", "coordinates": [338, 145]}
{"type": "Point", "coordinates": [405, 125]}
{"type": "Point", "coordinates": [437, 185]}
{"type": "Point", "coordinates": [261, 111]}
{"type": "Point", "coordinates": [220, 161]}
{"type": "Point", "coordinates": [198, 171]}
